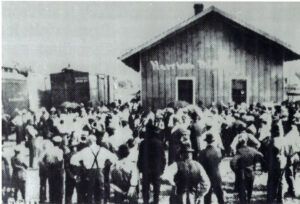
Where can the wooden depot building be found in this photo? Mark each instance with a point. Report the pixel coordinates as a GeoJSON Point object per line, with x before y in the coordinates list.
{"type": "Point", "coordinates": [211, 57]}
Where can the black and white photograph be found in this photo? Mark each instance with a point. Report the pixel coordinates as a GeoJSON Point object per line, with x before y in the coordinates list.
{"type": "Point", "coordinates": [137, 102]}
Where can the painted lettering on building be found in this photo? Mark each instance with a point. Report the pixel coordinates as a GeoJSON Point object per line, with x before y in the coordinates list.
{"type": "Point", "coordinates": [156, 66]}
{"type": "Point", "coordinates": [185, 66]}
{"type": "Point", "coordinates": [81, 79]}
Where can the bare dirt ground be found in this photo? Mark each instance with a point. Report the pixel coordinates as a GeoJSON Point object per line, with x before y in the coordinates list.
{"type": "Point", "coordinates": [259, 191]}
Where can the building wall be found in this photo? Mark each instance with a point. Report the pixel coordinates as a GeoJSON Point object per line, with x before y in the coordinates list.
{"type": "Point", "coordinates": [217, 54]}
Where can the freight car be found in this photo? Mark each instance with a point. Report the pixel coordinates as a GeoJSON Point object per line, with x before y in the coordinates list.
{"type": "Point", "coordinates": [14, 90]}
{"type": "Point", "coordinates": [81, 87]}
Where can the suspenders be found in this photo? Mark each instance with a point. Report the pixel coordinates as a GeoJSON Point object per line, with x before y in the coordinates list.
{"type": "Point", "coordinates": [95, 159]}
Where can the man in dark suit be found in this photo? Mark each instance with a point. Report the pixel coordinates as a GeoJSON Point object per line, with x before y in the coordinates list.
{"type": "Point", "coordinates": [151, 163]}
{"type": "Point", "coordinates": [192, 182]}
{"type": "Point", "coordinates": [210, 159]}
{"type": "Point", "coordinates": [197, 128]}
{"type": "Point", "coordinates": [243, 166]}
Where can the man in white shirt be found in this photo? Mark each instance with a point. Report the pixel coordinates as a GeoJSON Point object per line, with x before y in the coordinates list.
{"type": "Point", "coordinates": [93, 159]}
{"type": "Point", "coordinates": [124, 177]}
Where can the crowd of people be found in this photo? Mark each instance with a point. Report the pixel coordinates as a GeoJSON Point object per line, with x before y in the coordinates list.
{"type": "Point", "coordinates": [113, 152]}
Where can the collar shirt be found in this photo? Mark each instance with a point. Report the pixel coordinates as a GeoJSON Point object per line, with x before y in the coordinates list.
{"type": "Point", "coordinates": [42, 148]}
{"type": "Point", "coordinates": [28, 116]}
{"type": "Point", "coordinates": [280, 144]}
{"type": "Point", "coordinates": [169, 173]}
{"type": "Point", "coordinates": [124, 173]}
{"type": "Point", "coordinates": [229, 120]}
{"type": "Point", "coordinates": [31, 132]}
{"type": "Point", "coordinates": [126, 132]}
{"type": "Point", "coordinates": [267, 117]}
{"type": "Point", "coordinates": [185, 119]}
{"type": "Point", "coordinates": [171, 121]}
{"type": "Point", "coordinates": [177, 125]}
{"type": "Point", "coordinates": [80, 123]}
{"type": "Point", "coordinates": [87, 157]}
{"type": "Point", "coordinates": [264, 132]}
{"type": "Point", "coordinates": [218, 121]}
{"type": "Point", "coordinates": [64, 128]}
{"type": "Point", "coordinates": [18, 120]}
{"type": "Point", "coordinates": [118, 139]}
{"type": "Point", "coordinates": [134, 153]}
{"type": "Point", "coordinates": [246, 137]}
{"type": "Point", "coordinates": [53, 155]}
{"type": "Point", "coordinates": [292, 142]}
{"type": "Point", "coordinates": [126, 114]}
{"type": "Point", "coordinates": [105, 138]}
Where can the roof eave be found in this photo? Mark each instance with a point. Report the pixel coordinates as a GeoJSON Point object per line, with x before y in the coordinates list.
{"type": "Point", "coordinates": [290, 56]}
{"type": "Point", "coordinates": [128, 57]}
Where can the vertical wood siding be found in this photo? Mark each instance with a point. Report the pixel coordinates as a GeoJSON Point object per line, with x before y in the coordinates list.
{"type": "Point", "coordinates": [226, 53]}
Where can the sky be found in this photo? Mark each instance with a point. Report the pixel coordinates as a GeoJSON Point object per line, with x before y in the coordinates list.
{"type": "Point", "coordinates": [48, 36]}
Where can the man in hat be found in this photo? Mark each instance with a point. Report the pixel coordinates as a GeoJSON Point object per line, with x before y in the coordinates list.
{"type": "Point", "coordinates": [72, 176]}
{"type": "Point", "coordinates": [18, 175]}
{"type": "Point", "coordinates": [197, 129]}
{"type": "Point", "coordinates": [93, 159]}
{"type": "Point", "coordinates": [173, 125]}
{"type": "Point", "coordinates": [180, 136]}
{"type": "Point", "coordinates": [82, 138]}
{"type": "Point", "coordinates": [151, 163]}
{"type": "Point", "coordinates": [211, 129]}
{"type": "Point", "coordinates": [160, 125]}
{"type": "Point", "coordinates": [291, 151]}
{"type": "Point", "coordinates": [243, 166]}
{"type": "Point", "coordinates": [210, 158]}
{"type": "Point", "coordinates": [191, 180]}
{"type": "Point", "coordinates": [53, 161]}
{"type": "Point", "coordinates": [124, 177]}
{"type": "Point", "coordinates": [5, 125]}
{"type": "Point", "coordinates": [43, 124]}
{"type": "Point", "coordinates": [276, 162]}
{"type": "Point", "coordinates": [241, 137]}
{"type": "Point", "coordinates": [18, 123]}
{"type": "Point", "coordinates": [31, 134]}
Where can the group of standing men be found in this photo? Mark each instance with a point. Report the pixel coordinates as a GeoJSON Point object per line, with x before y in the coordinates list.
{"type": "Point", "coordinates": [121, 149]}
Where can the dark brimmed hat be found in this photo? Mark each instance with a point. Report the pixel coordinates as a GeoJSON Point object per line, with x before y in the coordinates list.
{"type": "Point", "coordinates": [123, 151]}
{"type": "Point", "coordinates": [187, 148]}
{"type": "Point", "coordinates": [209, 138]}
{"type": "Point", "coordinates": [182, 131]}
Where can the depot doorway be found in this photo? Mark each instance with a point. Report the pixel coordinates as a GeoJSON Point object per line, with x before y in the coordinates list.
{"type": "Point", "coordinates": [185, 89]}
{"type": "Point", "coordinates": [239, 91]}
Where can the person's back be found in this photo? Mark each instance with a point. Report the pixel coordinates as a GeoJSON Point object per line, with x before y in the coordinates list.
{"type": "Point", "coordinates": [151, 163]}
{"type": "Point", "coordinates": [124, 176]}
{"type": "Point", "coordinates": [197, 129]}
{"type": "Point", "coordinates": [18, 175]}
{"type": "Point", "coordinates": [248, 156]}
{"type": "Point", "coordinates": [188, 175]}
{"type": "Point", "coordinates": [210, 159]}
{"type": "Point", "coordinates": [151, 156]}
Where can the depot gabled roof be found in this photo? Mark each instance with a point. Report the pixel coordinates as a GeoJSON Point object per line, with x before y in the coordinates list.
{"type": "Point", "coordinates": [131, 57]}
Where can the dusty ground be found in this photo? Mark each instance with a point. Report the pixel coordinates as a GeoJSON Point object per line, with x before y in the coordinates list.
{"type": "Point", "coordinates": [259, 192]}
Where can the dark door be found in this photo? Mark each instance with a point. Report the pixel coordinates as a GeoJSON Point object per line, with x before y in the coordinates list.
{"type": "Point", "coordinates": [185, 90]}
{"type": "Point", "coordinates": [239, 91]}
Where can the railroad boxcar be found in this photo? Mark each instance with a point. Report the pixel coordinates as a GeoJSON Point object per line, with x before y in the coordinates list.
{"type": "Point", "coordinates": [81, 87]}
{"type": "Point", "coordinates": [14, 90]}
